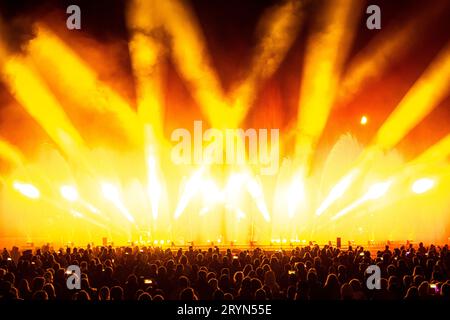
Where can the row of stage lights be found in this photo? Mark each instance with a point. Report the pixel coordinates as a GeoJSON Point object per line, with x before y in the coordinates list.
{"type": "Point", "coordinates": [112, 194]}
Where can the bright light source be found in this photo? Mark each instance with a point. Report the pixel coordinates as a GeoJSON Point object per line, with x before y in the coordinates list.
{"type": "Point", "coordinates": [378, 190]}
{"type": "Point", "coordinates": [69, 193]}
{"type": "Point", "coordinates": [192, 186]}
{"type": "Point", "coordinates": [110, 192]}
{"type": "Point", "coordinates": [375, 192]}
{"type": "Point", "coordinates": [295, 195]}
{"type": "Point", "coordinates": [76, 214]}
{"type": "Point", "coordinates": [28, 190]}
{"type": "Point", "coordinates": [235, 182]}
{"type": "Point", "coordinates": [363, 120]}
{"type": "Point", "coordinates": [211, 192]}
{"type": "Point", "coordinates": [422, 185]}
{"type": "Point", "coordinates": [255, 189]}
{"type": "Point", "coordinates": [240, 214]}
{"type": "Point", "coordinates": [204, 211]}
{"type": "Point", "coordinates": [337, 192]}
{"type": "Point", "coordinates": [91, 208]}
{"type": "Point", "coordinates": [154, 186]}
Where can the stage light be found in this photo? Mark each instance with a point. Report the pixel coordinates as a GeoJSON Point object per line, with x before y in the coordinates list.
{"type": "Point", "coordinates": [371, 62]}
{"type": "Point", "coordinates": [31, 91]}
{"type": "Point", "coordinates": [193, 63]}
{"type": "Point", "coordinates": [327, 48]}
{"type": "Point", "coordinates": [295, 194]}
{"type": "Point", "coordinates": [28, 190]}
{"type": "Point", "coordinates": [76, 213]}
{"type": "Point", "coordinates": [235, 182]}
{"type": "Point", "coordinates": [154, 186]}
{"type": "Point", "coordinates": [422, 185]}
{"type": "Point", "coordinates": [363, 120]}
{"type": "Point", "coordinates": [240, 215]}
{"type": "Point", "coordinates": [336, 192]}
{"type": "Point", "coordinates": [192, 186]}
{"type": "Point", "coordinates": [278, 29]}
{"type": "Point", "coordinates": [211, 192]}
{"type": "Point", "coordinates": [64, 69]}
{"type": "Point", "coordinates": [10, 153]}
{"type": "Point", "coordinates": [377, 190]}
{"type": "Point", "coordinates": [111, 193]}
{"type": "Point", "coordinates": [147, 54]}
{"type": "Point", "coordinates": [437, 152]}
{"type": "Point", "coordinates": [92, 208]}
{"type": "Point", "coordinates": [69, 193]}
{"type": "Point", "coordinates": [426, 93]}
{"type": "Point", "coordinates": [254, 188]}
{"type": "Point", "coordinates": [423, 96]}
{"type": "Point", "coordinates": [256, 192]}
{"type": "Point", "coordinates": [204, 211]}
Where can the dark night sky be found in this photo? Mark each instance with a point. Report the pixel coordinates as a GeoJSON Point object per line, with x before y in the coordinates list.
{"type": "Point", "coordinates": [229, 30]}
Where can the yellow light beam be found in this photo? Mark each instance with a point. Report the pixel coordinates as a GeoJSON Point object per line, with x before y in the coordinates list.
{"type": "Point", "coordinates": [65, 70]}
{"type": "Point", "coordinates": [295, 195]}
{"type": "Point", "coordinates": [386, 49]}
{"type": "Point", "coordinates": [111, 193]}
{"type": "Point", "coordinates": [154, 185]}
{"type": "Point", "coordinates": [375, 192]}
{"type": "Point", "coordinates": [10, 153]}
{"type": "Point", "coordinates": [337, 191]}
{"type": "Point", "coordinates": [437, 152]}
{"type": "Point", "coordinates": [277, 29]}
{"type": "Point", "coordinates": [31, 92]}
{"type": "Point", "coordinates": [327, 49]}
{"type": "Point", "coordinates": [426, 93]}
{"type": "Point", "coordinates": [192, 60]}
{"type": "Point", "coordinates": [255, 189]}
{"type": "Point", "coordinates": [423, 96]}
{"type": "Point", "coordinates": [147, 52]}
{"type": "Point", "coordinates": [192, 186]}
